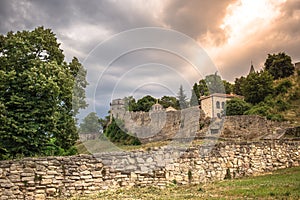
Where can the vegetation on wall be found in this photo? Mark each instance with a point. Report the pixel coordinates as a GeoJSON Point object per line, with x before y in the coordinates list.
{"type": "Point", "coordinates": [116, 133]}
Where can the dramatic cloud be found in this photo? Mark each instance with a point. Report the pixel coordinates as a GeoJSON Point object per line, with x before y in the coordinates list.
{"type": "Point", "coordinates": [198, 19]}
{"type": "Point", "coordinates": [232, 32]}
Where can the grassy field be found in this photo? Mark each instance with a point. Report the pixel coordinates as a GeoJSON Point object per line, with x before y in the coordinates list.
{"type": "Point", "coordinates": [281, 184]}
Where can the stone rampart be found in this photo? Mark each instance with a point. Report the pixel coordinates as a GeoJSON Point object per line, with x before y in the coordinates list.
{"type": "Point", "coordinates": [53, 177]}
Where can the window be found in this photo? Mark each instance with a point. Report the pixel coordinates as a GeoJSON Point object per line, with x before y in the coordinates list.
{"type": "Point", "coordinates": [218, 104]}
{"type": "Point", "coordinates": [223, 105]}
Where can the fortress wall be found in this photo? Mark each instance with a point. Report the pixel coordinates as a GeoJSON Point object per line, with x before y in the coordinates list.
{"type": "Point", "coordinates": [54, 177]}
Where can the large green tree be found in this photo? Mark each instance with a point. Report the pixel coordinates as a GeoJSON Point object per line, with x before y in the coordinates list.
{"type": "Point", "coordinates": [36, 93]}
{"type": "Point", "coordinates": [257, 86]}
{"type": "Point", "coordinates": [279, 65]}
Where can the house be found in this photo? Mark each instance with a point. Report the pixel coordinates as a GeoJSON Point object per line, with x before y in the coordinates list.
{"type": "Point", "coordinates": [214, 104]}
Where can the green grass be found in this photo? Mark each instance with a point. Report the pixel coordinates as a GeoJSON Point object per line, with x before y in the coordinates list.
{"type": "Point", "coordinates": [281, 184]}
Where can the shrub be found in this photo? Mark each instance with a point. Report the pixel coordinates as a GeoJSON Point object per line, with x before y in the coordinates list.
{"type": "Point", "coordinates": [282, 88]}
{"type": "Point", "coordinates": [236, 107]}
{"type": "Point", "coordinates": [115, 132]}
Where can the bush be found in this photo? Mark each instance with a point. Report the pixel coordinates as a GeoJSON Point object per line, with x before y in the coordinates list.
{"type": "Point", "coordinates": [236, 107]}
{"type": "Point", "coordinates": [260, 109]}
{"type": "Point", "coordinates": [282, 105]}
{"type": "Point", "coordinates": [269, 109]}
{"type": "Point", "coordinates": [51, 149]}
{"type": "Point", "coordinates": [282, 88]}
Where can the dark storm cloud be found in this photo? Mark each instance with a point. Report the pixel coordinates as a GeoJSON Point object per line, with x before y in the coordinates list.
{"type": "Point", "coordinates": [73, 20]}
{"type": "Point", "coordinates": [57, 13]}
{"type": "Point", "coordinates": [198, 18]}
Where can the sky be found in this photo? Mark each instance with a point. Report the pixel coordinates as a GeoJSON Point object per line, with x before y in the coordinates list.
{"type": "Point", "coordinates": [140, 47]}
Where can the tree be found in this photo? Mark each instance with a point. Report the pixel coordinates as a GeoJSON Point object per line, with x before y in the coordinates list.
{"type": "Point", "coordinates": [182, 99]}
{"type": "Point", "coordinates": [257, 86]}
{"type": "Point", "coordinates": [236, 106]}
{"type": "Point", "coordinates": [145, 103]}
{"type": "Point", "coordinates": [130, 103]}
{"type": "Point", "coordinates": [237, 87]}
{"type": "Point", "coordinates": [194, 99]}
{"type": "Point", "coordinates": [80, 83]}
{"type": "Point", "coordinates": [228, 87]}
{"type": "Point", "coordinates": [104, 122]}
{"type": "Point", "coordinates": [202, 88]}
{"type": "Point", "coordinates": [279, 65]}
{"type": "Point", "coordinates": [195, 95]}
{"type": "Point", "coordinates": [90, 124]}
{"type": "Point", "coordinates": [36, 93]}
{"type": "Point", "coordinates": [167, 101]}
{"type": "Point", "coordinates": [214, 84]}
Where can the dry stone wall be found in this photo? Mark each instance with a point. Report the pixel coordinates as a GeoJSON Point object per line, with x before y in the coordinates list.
{"type": "Point", "coordinates": [160, 125]}
{"type": "Point", "coordinates": [191, 122]}
{"type": "Point", "coordinates": [53, 177]}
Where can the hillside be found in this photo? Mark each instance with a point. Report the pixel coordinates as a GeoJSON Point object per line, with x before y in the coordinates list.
{"type": "Point", "coordinates": [292, 98]}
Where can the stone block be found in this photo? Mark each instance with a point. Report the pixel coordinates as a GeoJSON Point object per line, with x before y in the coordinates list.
{"type": "Point", "coordinates": [40, 196]}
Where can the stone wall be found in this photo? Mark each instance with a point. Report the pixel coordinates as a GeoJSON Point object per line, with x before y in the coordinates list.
{"type": "Point", "coordinates": [247, 127]}
{"type": "Point", "coordinates": [162, 125]}
{"type": "Point", "coordinates": [186, 123]}
{"type": "Point", "coordinates": [52, 177]}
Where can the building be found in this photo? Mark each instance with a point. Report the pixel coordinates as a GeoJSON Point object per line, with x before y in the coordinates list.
{"type": "Point", "coordinates": [157, 108]}
{"type": "Point", "coordinates": [214, 104]}
{"type": "Point", "coordinates": [117, 107]}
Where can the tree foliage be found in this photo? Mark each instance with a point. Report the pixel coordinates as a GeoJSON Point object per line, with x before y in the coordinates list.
{"type": "Point", "coordinates": [257, 86]}
{"type": "Point", "coordinates": [182, 99]}
{"type": "Point", "coordinates": [194, 99]}
{"type": "Point", "coordinates": [215, 84]}
{"type": "Point", "coordinates": [144, 104]}
{"type": "Point", "coordinates": [116, 133]}
{"type": "Point", "coordinates": [90, 124]}
{"type": "Point", "coordinates": [130, 104]}
{"type": "Point", "coordinates": [228, 87]}
{"type": "Point", "coordinates": [279, 65]}
{"type": "Point", "coordinates": [237, 87]}
{"type": "Point", "coordinates": [202, 88]}
{"type": "Point", "coordinates": [167, 101]}
{"type": "Point", "coordinates": [36, 93]}
{"type": "Point", "coordinates": [236, 106]}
